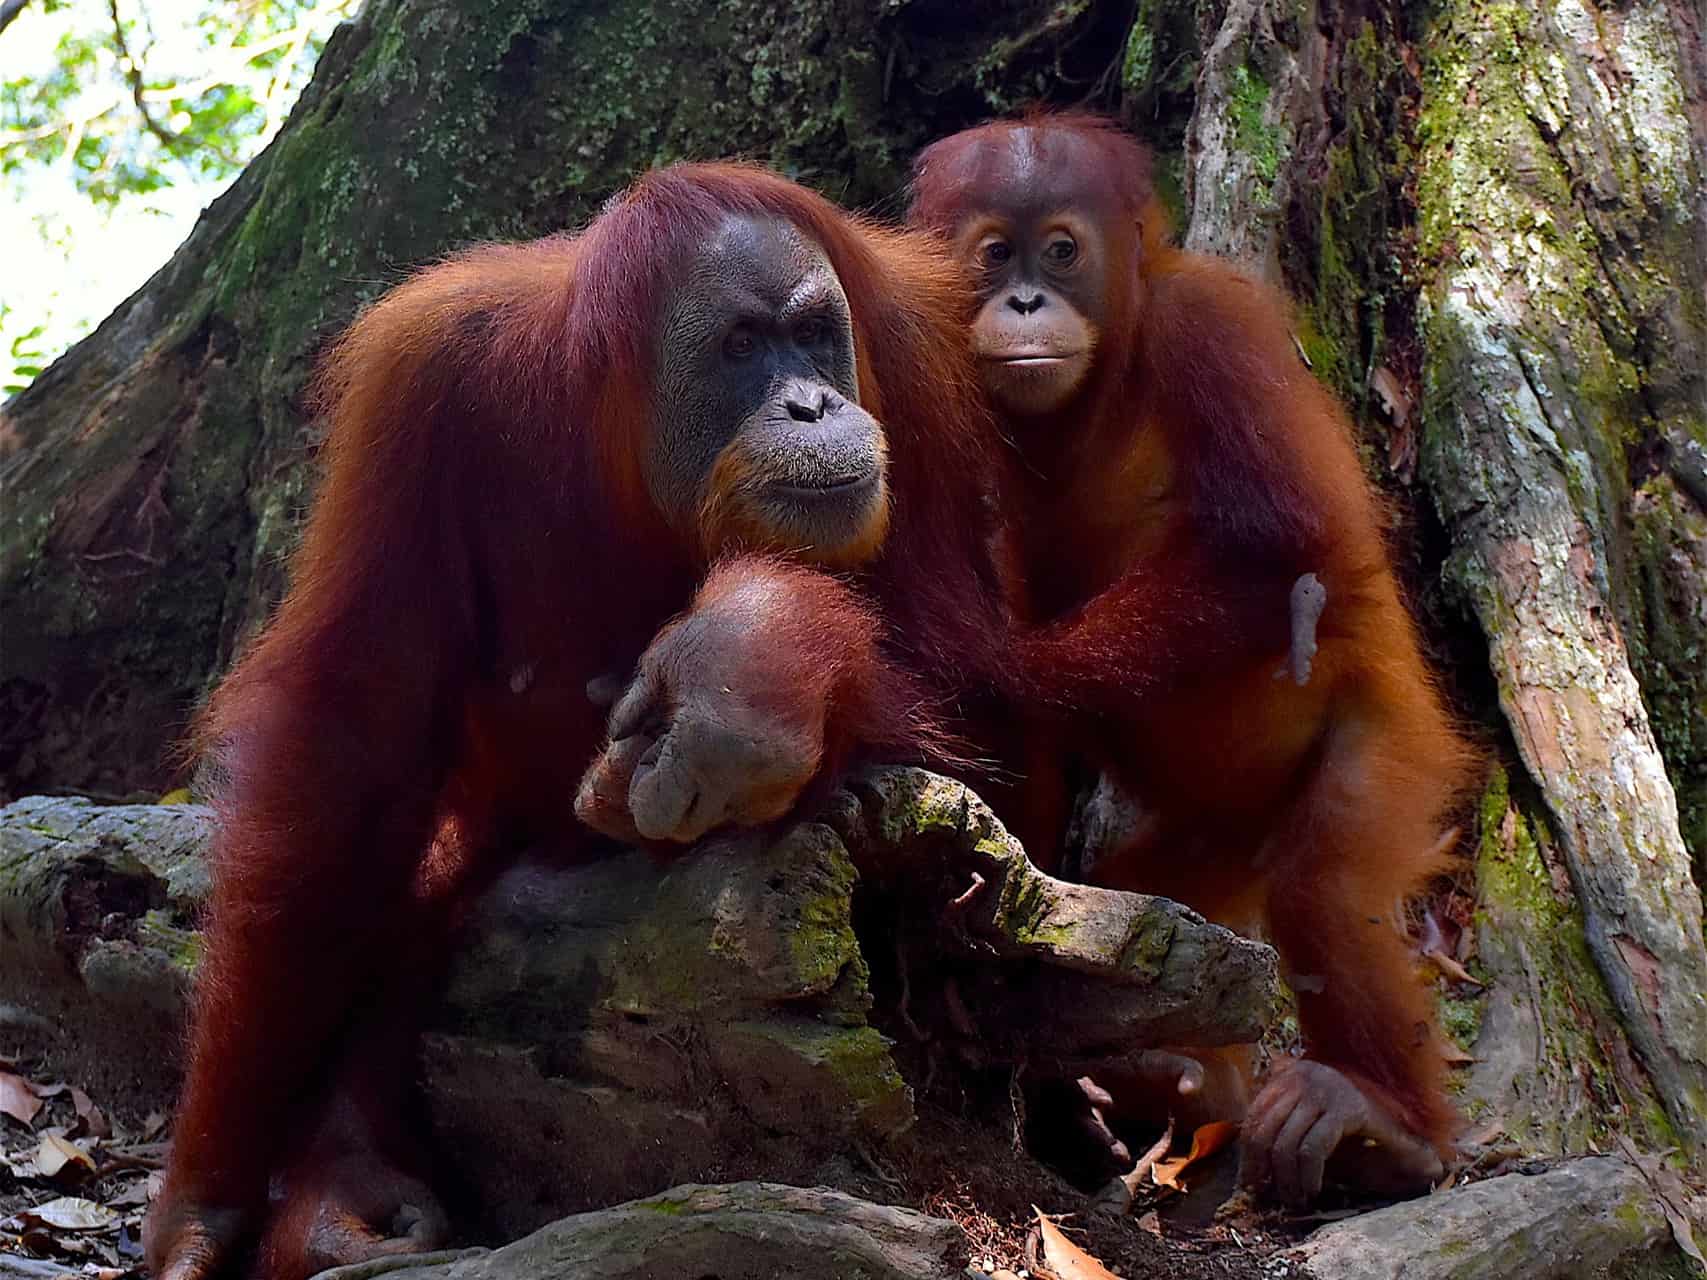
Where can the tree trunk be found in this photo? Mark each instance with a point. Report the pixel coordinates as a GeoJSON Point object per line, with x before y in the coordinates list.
{"type": "Point", "coordinates": [1494, 218]}
{"type": "Point", "coordinates": [156, 474]}
{"type": "Point", "coordinates": [1560, 245]}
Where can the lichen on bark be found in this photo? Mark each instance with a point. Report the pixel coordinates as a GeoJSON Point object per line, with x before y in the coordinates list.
{"type": "Point", "coordinates": [1551, 354]}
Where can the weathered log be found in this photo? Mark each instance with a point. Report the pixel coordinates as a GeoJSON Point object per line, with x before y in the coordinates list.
{"type": "Point", "coordinates": [625, 1025]}
{"type": "Point", "coordinates": [1107, 969]}
{"type": "Point", "coordinates": [98, 948]}
{"type": "Point", "coordinates": [742, 1229]}
{"type": "Point", "coordinates": [1572, 1221]}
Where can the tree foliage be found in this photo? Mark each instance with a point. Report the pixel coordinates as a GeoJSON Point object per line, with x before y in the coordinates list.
{"type": "Point", "coordinates": [108, 103]}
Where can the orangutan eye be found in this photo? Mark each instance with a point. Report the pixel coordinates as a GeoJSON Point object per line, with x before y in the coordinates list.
{"type": "Point", "coordinates": [1061, 250]}
{"type": "Point", "coordinates": [995, 253]}
{"type": "Point", "coordinates": [812, 331]}
{"type": "Point", "coordinates": [739, 345]}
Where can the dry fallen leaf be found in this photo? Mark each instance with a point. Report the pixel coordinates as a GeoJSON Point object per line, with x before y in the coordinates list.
{"type": "Point", "coordinates": [134, 1194]}
{"type": "Point", "coordinates": [61, 1160]}
{"type": "Point", "coordinates": [1208, 1139]}
{"type": "Point", "coordinates": [19, 1098]}
{"type": "Point", "coordinates": [1395, 402]}
{"type": "Point", "coordinates": [1066, 1259]}
{"type": "Point", "coordinates": [94, 1123]}
{"type": "Point", "coordinates": [1669, 1189]}
{"type": "Point", "coordinates": [1449, 966]}
{"type": "Point", "coordinates": [71, 1213]}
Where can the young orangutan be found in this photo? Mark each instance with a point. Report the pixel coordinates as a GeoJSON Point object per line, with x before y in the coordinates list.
{"type": "Point", "coordinates": [1186, 500]}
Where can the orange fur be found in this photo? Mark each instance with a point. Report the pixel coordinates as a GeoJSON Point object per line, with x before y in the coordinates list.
{"type": "Point", "coordinates": [482, 545]}
{"type": "Point", "coordinates": [1162, 517]}
{"type": "Point", "coordinates": [728, 522]}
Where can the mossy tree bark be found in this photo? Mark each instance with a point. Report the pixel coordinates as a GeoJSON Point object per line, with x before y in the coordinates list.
{"type": "Point", "coordinates": [156, 474]}
{"type": "Point", "coordinates": [1493, 215]}
{"type": "Point", "coordinates": [1566, 397]}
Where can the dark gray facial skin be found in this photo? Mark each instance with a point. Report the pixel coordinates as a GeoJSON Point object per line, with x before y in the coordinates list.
{"type": "Point", "coordinates": [757, 434]}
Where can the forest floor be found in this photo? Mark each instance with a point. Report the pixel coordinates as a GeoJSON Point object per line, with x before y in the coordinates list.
{"type": "Point", "coordinates": [973, 1173]}
{"type": "Point", "coordinates": [76, 1177]}
{"type": "Point", "coordinates": [75, 1182]}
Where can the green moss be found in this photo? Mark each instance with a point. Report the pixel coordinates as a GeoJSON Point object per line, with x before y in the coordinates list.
{"type": "Point", "coordinates": [1026, 910]}
{"type": "Point", "coordinates": [859, 1059]}
{"type": "Point", "coordinates": [821, 940]}
{"type": "Point", "coordinates": [1168, 174]}
{"type": "Point", "coordinates": [1158, 85]}
{"type": "Point", "coordinates": [1669, 653]}
{"type": "Point", "coordinates": [183, 947]}
{"type": "Point", "coordinates": [1146, 948]}
{"type": "Point", "coordinates": [1540, 931]}
{"type": "Point", "coordinates": [1662, 1262]}
{"type": "Point", "coordinates": [1461, 1018]}
{"type": "Point", "coordinates": [1256, 138]}
{"type": "Point", "coordinates": [858, 1069]}
{"type": "Point", "coordinates": [1356, 292]}
{"type": "Point", "coordinates": [1139, 63]}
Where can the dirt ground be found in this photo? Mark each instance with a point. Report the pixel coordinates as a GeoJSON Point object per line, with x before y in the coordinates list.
{"type": "Point", "coordinates": [958, 1162]}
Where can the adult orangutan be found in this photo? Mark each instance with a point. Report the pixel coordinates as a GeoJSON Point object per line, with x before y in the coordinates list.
{"type": "Point", "coordinates": [536, 452]}
{"type": "Point", "coordinates": [1182, 478]}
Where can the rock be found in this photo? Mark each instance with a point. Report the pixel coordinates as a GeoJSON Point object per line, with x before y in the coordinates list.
{"type": "Point", "coordinates": [745, 1229]}
{"type": "Point", "coordinates": [1097, 970]}
{"type": "Point", "coordinates": [615, 1027]}
{"type": "Point", "coordinates": [97, 917]}
{"type": "Point", "coordinates": [1567, 1223]}
{"type": "Point", "coordinates": [618, 1027]}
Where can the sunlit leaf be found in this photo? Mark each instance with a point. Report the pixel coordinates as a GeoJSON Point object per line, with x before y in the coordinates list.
{"type": "Point", "coordinates": [1208, 1139]}
{"type": "Point", "coordinates": [1066, 1259]}
{"type": "Point", "coordinates": [62, 1161]}
{"type": "Point", "coordinates": [71, 1213]}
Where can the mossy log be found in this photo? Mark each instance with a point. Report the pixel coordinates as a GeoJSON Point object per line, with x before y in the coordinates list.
{"type": "Point", "coordinates": [614, 1028]}
{"type": "Point", "coordinates": [736, 1229]}
{"type": "Point", "coordinates": [1588, 1217]}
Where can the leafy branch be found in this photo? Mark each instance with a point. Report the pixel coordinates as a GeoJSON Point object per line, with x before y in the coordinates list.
{"type": "Point", "coordinates": [209, 121]}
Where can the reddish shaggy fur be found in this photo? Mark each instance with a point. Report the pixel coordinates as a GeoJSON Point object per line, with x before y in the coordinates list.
{"type": "Point", "coordinates": [482, 545]}
{"type": "Point", "coordinates": [1163, 515]}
